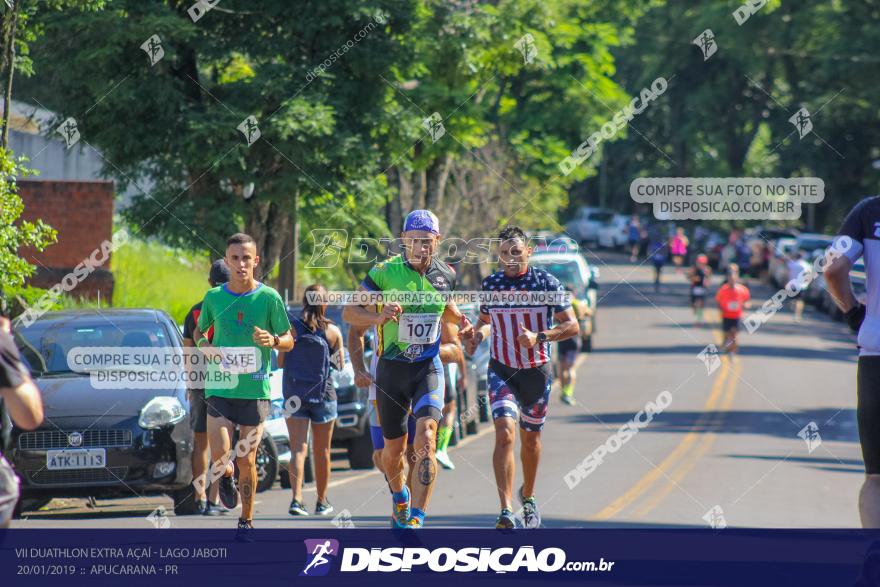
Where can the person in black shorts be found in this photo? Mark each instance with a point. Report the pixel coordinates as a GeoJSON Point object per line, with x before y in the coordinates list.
{"type": "Point", "coordinates": [20, 398]}
{"type": "Point", "coordinates": [208, 503]}
{"type": "Point", "coordinates": [858, 237]}
{"type": "Point", "coordinates": [733, 298]}
{"type": "Point", "coordinates": [409, 373]}
{"type": "Point", "coordinates": [699, 276]}
{"type": "Point", "coordinates": [249, 319]}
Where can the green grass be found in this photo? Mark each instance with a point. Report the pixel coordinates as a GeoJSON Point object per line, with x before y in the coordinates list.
{"type": "Point", "coordinates": [150, 275]}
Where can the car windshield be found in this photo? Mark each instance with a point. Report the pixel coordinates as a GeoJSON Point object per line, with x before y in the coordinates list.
{"type": "Point", "coordinates": [602, 216]}
{"type": "Point", "coordinates": [44, 345]}
{"type": "Point", "coordinates": [811, 244]}
{"type": "Point", "coordinates": [567, 273]}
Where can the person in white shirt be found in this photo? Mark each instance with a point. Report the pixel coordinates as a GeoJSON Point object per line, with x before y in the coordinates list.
{"type": "Point", "coordinates": [796, 267]}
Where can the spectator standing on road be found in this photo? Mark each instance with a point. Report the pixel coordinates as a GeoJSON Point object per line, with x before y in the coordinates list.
{"type": "Point", "coordinates": [699, 276]}
{"type": "Point", "coordinates": [742, 255]}
{"type": "Point", "coordinates": [797, 266]}
{"type": "Point", "coordinates": [634, 231]}
{"type": "Point", "coordinates": [644, 241]}
{"type": "Point", "coordinates": [317, 347]}
{"type": "Point", "coordinates": [678, 247]}
{"type": "Point", "coordinates": [657, 254]}
{"type": "Point", "coordinates": [21, 399]}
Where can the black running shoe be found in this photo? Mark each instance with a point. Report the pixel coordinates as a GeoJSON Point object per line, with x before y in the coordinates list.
{"type": "Point", "coordinates": [215, 509]}
{"type": "Point", "coordinates": [505, 521]}
{"type": "Point", "coordinates": [297, 508]}
{"type": "Point", "coordinates": [323, 508]}
{"type": "Point", "coordinates": [245, 531]}
{"type": "Point", "coordinates": [201, 507]}
{"type": "Point", "coordinates": [228, 492]}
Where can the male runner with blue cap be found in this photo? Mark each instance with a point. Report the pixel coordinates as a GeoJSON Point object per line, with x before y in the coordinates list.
{"type": "Point", "coordinates": [409, 374]}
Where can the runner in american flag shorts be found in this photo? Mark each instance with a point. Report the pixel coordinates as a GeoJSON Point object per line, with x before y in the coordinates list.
{"type": "Point", "coordinates": [519, 369]}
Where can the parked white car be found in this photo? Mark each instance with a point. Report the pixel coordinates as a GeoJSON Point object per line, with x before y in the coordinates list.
{"type": "Point", "coordinates": [614, 234]}
{"type": "Point", "coordinates": [813, 244]}
{"type": "Point", "coordinates": [584, 227]}
{"type": "Point", "coordinates": [557, 244]}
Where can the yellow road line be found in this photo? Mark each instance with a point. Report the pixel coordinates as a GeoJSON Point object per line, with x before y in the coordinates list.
{"type": "Point", "coordinates": [686, 443]}
{"type": "Point", "coordinates": [706, 442]}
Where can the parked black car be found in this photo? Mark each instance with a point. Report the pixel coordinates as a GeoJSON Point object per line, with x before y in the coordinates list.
{"type": "Point", "coordinates": [102, 442]}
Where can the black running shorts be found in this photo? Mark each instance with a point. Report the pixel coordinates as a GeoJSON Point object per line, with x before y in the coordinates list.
{"type": "Point", "coordinates": [868, 412]}
{"type": "Point", "coordinates": [401, 386]}
{"type": "Point", "coordinates": [244, 412]}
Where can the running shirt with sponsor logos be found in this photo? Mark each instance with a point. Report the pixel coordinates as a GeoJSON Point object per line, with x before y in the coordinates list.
{"type": "Point", "coordinates": [416, 335]}
{"type": "Point", "coordinates": [862, 226]}
{"type": "Point", "coordinates": [732, 300]}
{"type": "Point", "coordinates": [233, 317]}
{"type": "Point", "coordinates": [505, 319]}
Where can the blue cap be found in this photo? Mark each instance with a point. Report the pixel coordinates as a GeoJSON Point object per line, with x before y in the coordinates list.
{"type": "Point", "coordinates": [422, 220]}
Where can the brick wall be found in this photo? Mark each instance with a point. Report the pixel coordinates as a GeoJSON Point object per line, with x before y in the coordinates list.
{"type": "Point", "coordinates": [82, 213]}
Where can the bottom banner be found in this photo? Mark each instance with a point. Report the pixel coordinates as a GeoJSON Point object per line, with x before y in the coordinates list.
{"type": "Point", "coordinates": [432, 557]}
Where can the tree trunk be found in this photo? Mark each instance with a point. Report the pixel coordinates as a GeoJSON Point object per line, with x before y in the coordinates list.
{"type": "Point", "coordinates": [10, 24]}
{"type": "Point", "coordinates": [289, 255]}
{"type": "Point", "coordinates": [437, 178]}
{"type": "Point", "coordinates": [401, 199]}
{"type": "Point", "coordinates": [268, 224]}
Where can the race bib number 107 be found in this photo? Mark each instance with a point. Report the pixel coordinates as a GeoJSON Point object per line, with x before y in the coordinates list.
{"type": "Point", "coordinates": [418, 328]}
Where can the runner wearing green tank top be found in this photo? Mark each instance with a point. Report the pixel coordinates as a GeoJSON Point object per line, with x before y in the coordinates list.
{"type": "Point", "coordinates": [409, 375]}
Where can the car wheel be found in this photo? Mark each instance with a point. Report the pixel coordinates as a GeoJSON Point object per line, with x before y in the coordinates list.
{"type": "Point", "coordinates": [360, 451]}
{"type": "Point", "coordinates": [267, 463]}
{"type": "Point", "coordinates": [284, 479]}
{"type": "Point", "coordinates": [185, 503]}
{"type": "Point", "coordinates": [308, 473]}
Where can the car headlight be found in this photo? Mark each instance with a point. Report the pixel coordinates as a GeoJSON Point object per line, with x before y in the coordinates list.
{"type": "Point", "coordinates": [161, 411]}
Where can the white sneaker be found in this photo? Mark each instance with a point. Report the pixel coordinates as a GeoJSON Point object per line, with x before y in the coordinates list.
{"type": "Point", "coordinates": [444, 460]}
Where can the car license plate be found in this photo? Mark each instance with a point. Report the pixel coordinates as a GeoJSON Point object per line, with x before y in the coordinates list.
{"type": "Point", "coordinates": [76, 458]}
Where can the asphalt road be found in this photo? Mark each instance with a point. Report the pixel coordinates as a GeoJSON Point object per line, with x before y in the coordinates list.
{"type": "Point", "coordinates": [726, 443]}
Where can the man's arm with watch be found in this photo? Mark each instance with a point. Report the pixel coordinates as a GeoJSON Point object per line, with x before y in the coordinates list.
{"type": "Point", "coordinates": [566, 327]}
{"type": "Point", "coordinates": [284, 342]}
{"type": "Point", "coordinates": [840, 287]}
